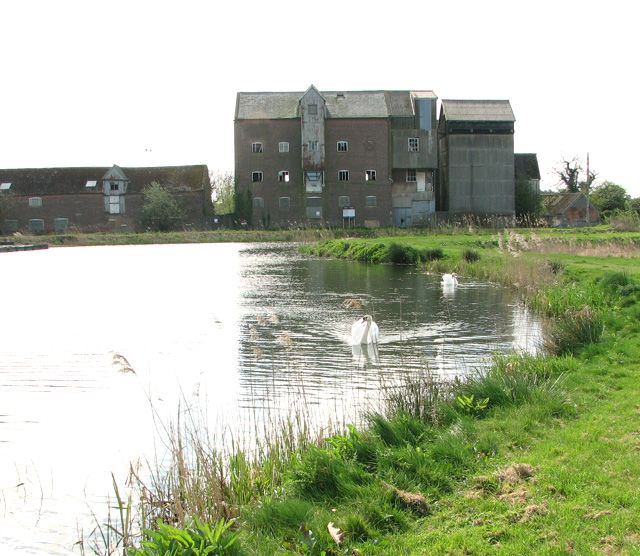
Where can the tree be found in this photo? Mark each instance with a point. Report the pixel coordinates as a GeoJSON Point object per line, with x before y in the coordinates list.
{"type": "Point", "coordinates": [527, 200]}
{"type": "Point", "coordinates": [243, 203]}
{"type": "Point", "coordinates": [634, 204]}
{"type": "Point", "coordinates": [7, 201]}
{"type": "Point", "coordinates": [609, 197]}
{"type": "Point", "coordinates": [569, 174]}
{"type": "Point", "coordinates": [223, 186]}
{"type": "Point", "coordinates": [160, 210]}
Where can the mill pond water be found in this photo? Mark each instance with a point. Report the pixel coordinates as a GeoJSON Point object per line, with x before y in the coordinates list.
{"type": "Point", "coordinates": [101, 345]}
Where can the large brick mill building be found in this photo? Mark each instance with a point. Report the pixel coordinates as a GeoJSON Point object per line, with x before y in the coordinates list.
{"type": "Point", "coordinates": [371, 158]}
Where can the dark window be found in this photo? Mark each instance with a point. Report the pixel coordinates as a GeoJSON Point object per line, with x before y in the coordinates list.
{"type": "Point", "coordinates": [256, 147]}
{"type": "Point", "coordinates": [283, 176]}
{"type": "Point", "coordinates": [115, 186]}
{"type": "Point", "coordinates": [343, 146]}
{"type": "Point", "coordinates": [343, 175]}
{"type": "Point", "coordinates": [313, 146]}
{"type": "Point", "coordinates": [370, 175]}
{"type": "Point", "coordinates": [414, 144]}
{"type": "Point", "coordinates": [411, 176]}
{"type": "Point", "coordinates": [256, 176]}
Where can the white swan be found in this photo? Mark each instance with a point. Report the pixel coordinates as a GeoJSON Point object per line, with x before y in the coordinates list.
{"type": "Point", "coordinates": [450, 280]}
{"type": "Point", "coordinates": [364, 331]}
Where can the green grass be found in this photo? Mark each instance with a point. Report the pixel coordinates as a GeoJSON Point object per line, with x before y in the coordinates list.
{"type": "Point", "coordinates": [537, 455]}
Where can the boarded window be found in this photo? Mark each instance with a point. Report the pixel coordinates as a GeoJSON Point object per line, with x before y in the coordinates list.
{"type": "Point", "coordinates": [256, 176]}
{"type": "Point", "coordinates": [343, 146]}
{"type": "Point", "coordinates": [371, 201]}
{"type": "Point", "coordinates": [36, 225]}
{"type": "Point", "coordinates": [60, 224]}
{"type": "Point", "coordinates": [35, 202]}
{"type": "Point", "coordinates": [314, 207]}
{"type": "Point", "coordinates": [283, 147]}
{"type": "Point", "coordinates": [258, 203]}
{"type": "Point", "coordinates": [343, 175]}
{"type": "Point", "coordinates": [256, 147]}
{"type": "Point", "coordinates": [283, 176]}
{"type": "Point", "coordinates": [312, 109]}
{"type": "Point", "coordinates": [344, 201]}
{"type": "Point", "coordinates": [370, 175]}
{"type": "Point", "coordinates": [114, 204]}
{"type": "Point", "coordinates": [284, 203]}
{"type": "Point", "coordinates": [414, 144]}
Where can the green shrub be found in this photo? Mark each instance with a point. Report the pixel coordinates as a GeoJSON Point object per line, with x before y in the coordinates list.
{"type": "Point", "coordinates": [573, 330]}
{"type": "Point", "coordinates": [470, 255]}
{"type": "Point", "coordinates": [431, 254]}
{"type": "Point", "coordinates": [196, 539]}
{"type": "Point", "coordinates": [402, 254]}
{"type": "Point", "coordinates": [160, 210]}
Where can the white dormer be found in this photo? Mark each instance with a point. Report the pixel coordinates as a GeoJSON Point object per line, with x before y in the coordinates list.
{"type": "Point", "coordinates": [115, 181]}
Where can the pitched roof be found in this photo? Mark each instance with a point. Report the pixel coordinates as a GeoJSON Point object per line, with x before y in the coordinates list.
{"type": "Point", "coordinates": [560, 202]}
{"type": "Point", "coordinates": [526, 166]}
{"type": "Point", "coordinates": [478, 110]}
{"type": "Point", "coordinates": [340, 104]}
{"type": "Point", "coordinates": [43, 181]}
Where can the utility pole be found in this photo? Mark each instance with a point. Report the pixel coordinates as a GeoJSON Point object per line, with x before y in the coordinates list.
{"type": "Point", "coordinates": [588, 191]}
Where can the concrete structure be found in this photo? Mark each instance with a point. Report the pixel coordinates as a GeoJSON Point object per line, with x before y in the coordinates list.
{"type": "Point", "coordinates": [364, 158]}
{"type": "Point", "coordinates": [476, 159]}
{"type": "Point", "coordinates": [97, 199]}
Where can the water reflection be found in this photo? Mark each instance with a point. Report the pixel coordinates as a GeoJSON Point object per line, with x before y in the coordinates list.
{"type": "Point", "coordinates": [244, 334]}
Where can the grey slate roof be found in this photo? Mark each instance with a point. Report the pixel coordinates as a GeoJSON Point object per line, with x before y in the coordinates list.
{"type": "Point", "coordinates": [558, 204]}
{"type": "Point", "coordinates": [340, 104]}
{"type": "Point", "coordinates": [478, 110]}
{"type": "Point", "coordinates": [43, 181]}
{"type": "Point", "coordinates": [526, 166]}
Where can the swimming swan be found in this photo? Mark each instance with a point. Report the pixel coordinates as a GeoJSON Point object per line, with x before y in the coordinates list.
{"type": "Point", "coordinates": [364, 331]}
{"type": "Point", "coordinates": [450, 280]}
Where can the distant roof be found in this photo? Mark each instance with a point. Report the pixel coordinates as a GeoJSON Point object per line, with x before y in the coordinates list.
{"type": "Point", "coordinates": [42, 181]}
{"type": "Point", "coordinates": [558, 203]}
{"type": "Point", "coordinates": [526, 166]}
{"type": "Point", "coordinates": [478, 110]}
{"type": "Point", "coordinates": [340, 104]}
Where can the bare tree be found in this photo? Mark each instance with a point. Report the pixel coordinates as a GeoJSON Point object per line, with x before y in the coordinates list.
{"type": "Point", "coordinates": [569, 173]}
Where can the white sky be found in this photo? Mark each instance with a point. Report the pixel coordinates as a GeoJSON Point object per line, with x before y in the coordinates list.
{"type": "Point", "coordinates": [95, 83]}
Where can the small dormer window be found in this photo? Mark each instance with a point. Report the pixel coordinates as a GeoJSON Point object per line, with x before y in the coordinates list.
{"type": "Point", "coordinates": [313, 109]}
{"type": "Point", "coordinates": [5, 186]}
{"type": "Point", "coordinates": [115, 186]}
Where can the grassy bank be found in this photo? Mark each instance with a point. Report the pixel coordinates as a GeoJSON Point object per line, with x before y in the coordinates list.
{"type": "Point", "coordinates": [536, 456]}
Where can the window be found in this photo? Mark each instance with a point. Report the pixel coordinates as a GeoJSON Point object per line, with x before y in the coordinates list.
{"type": "Point", "coordinates": [344, 201]}
{"type": "Point", "coordinates": [35, 202]}
{"type": "Point", "coordinates": [283, 176]}
{"type": "Point", "coordinates": [283, 147]}
{"type": "Point", "coordinates": [371, 201]}
{"type": "Point", "coordinates": [314, 207]}
{"type": "Point", "coordinates": [313, 146]}
{"type": "Point", "coordinates": [60, 224]}
{"type": "Point", "coordinates": [114, 186]}
{"type": "Point", "coordinates": [370, 175]}
{"type": "Point", "coordinates": [258, 202]}
{"type": "Point", "coordinates": [284, 203]}
{"type": "Point", "coordinates": [411, 176]}
{"type": "Point", "coordinates": [5, 186]}
{"type": "Point", "coordinates": [343, 146]}
{"type": "Point", "coordinates": [343, 175]}
{"type": "Point", "coordinates": [91, 183]}
{"type": "Point", "coordinates": [114, 204]}
{"type": "Point", "coordinates": [414, 144]}
{"type": "Point", "coordinates": [36, 225]}
{"type": "Point", "coordinates": [314, 176]}
{"type": "Point", "coordinates": [256, 176]}
{"type": "Point", "coordinates": [313, 109]}
{"type": "Point", "coordinates": [256, 147]}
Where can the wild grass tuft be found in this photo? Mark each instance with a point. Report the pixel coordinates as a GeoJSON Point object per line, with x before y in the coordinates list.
{"type": "Point", "coordinates": [470, 255]}
{"type": "Point", "coordinates": [573, 330]}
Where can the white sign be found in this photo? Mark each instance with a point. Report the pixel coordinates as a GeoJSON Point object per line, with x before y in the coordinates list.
{"type": "Point", "coordinates": [348, 213]}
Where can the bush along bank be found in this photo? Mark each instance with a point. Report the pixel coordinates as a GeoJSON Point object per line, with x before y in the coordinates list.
{"type": "Point", "coordinates": [508, 459]}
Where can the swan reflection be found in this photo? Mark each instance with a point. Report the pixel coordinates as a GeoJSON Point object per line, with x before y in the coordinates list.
{"type": "Point", "coordinates": [365, 353]}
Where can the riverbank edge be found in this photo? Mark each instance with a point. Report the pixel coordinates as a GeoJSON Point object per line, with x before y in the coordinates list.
{"type": "Point", "coordinates": [279, 521]}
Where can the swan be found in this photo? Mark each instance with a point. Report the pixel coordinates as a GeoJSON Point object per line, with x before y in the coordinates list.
{"type": "Point", "coordinates": [364, 331]}
{"type": "Point", "coordinates": [450, 280]}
